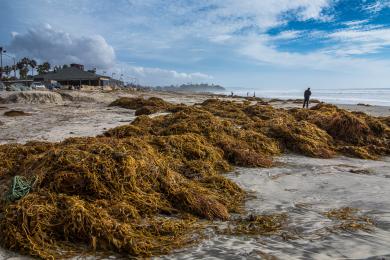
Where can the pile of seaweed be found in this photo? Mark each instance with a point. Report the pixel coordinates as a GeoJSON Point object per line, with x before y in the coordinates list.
{"type": "Point", "coordinates": [139, 189]}
{"type": "Point", "coordinates": [322, 131]}
{"type": "Point", "coordinates": [143, 106]}
{"type": "Point", "coordinates": [134, 196]}
{"type": "Point", "coordinates": [349, 219]}
{"type": "Point", "coordinates": [250, 134]}
{"type": "Point", "coordinates": [256, 225]}
{"type": "Point", "coordinates": [13, 113]}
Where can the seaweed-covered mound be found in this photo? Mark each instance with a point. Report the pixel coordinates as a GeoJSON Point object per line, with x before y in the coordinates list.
{"type": "Point", "coordinates": [354, 133]}
{"type": "Point", "coordinates": [240, 147]}
{"type": "Point", "coordinates": [143, 106]}
{"type": "Point", "coordinates": [13, 113]}
{"type": "Point", "coordinates": [134, 196]}
{"type": "Point", "coordinates": [250, 134]}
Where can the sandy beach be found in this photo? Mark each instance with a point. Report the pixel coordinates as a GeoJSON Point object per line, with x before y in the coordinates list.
{"type": "Point", "coordinates": [300, 186]}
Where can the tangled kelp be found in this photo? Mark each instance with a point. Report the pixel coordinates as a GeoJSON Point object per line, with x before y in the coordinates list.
{"type": "Point", "coordinates": [322, 131]}
{"type": "Point", "coordinates": [143, 106]}
{"type": "Point", "coordinates": [125, 195]}
{"type": "Point", "coordinates": [13, 113]}
{"type": "Point", "coordinates": [385, 120]}
{"type": "Point", "coordinates": [355, 134]}
{"type": "Point", "coordinates": [349, 219]}
{"type": "Point", "coordinates": [256, 225]}
{"type": "Point", "coordinates": [240, 147]}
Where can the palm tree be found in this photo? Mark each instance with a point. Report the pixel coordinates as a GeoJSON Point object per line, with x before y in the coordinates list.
{"type": "Point", "coordinates": [43, 68]}
{"type": "Point", "coordinates": [22, 66]}
{"type": "Point", "coordinates": [32, 63]}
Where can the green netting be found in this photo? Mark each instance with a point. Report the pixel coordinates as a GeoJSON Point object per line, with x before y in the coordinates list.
{"type": "Point", "coordinates": [20, 187]}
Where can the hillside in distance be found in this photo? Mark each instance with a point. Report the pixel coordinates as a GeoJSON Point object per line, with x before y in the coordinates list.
{"type": "Point", "coordinates": [193, 88]}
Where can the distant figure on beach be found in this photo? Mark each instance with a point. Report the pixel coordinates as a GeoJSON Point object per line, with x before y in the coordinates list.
{"type": "Point", "coordinates": [254, 94]}
{"type": "Point", "coordinates": [307, 95]}
{"type": "Point", "coordinates": [247, 94]}
{"type": "Point", "coordinates": [232, 94]}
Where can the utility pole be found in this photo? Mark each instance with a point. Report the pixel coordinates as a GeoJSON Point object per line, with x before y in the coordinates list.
{"type": "Point", "coordinates": [14, 62]}
{"type": "Point", "coordinates": [1, 62]}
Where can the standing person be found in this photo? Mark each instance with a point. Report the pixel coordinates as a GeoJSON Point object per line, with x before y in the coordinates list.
{"type": "Point", "coordinates": [307, 95]}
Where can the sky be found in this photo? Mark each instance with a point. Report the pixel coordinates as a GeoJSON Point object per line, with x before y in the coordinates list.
{"type": "Point", "coordinates": [259, 44]}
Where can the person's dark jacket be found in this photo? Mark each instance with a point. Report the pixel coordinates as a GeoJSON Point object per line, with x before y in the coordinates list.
{"type": "Point", "coordinates": [307, 94]}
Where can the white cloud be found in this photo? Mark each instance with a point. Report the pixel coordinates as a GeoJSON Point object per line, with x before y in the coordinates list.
{"type": "Point", "coordinates": [288, 35]}
{"type": "Point", "coordinates": [58, 47]}
{"type": "Point", "coordinates": [158, 76]}
{"type": "Point", "coordinates": [356, 23]}
{"type": "Point", "coordinates": [362, 40]}
{"type": "Point", "coordinates": [261, 49]}
{"type": "Point", "coordinates": [267, 14]}
{"type": "Point", "coordinates": [377, 6]}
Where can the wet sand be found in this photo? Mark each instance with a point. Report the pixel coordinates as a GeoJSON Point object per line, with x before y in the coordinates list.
{"type": "Point", "coordinates": [302, 187]}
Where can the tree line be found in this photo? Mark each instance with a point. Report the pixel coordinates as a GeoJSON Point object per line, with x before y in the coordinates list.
{"type": "Point", "coordinates": [24, 66]}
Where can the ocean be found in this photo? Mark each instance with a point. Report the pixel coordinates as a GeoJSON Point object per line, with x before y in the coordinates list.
{"type": "Point", "coordinates": [371, 96]}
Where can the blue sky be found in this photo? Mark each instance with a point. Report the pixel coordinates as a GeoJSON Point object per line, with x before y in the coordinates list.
{"type": "Point", "coordinates": [264, 44]}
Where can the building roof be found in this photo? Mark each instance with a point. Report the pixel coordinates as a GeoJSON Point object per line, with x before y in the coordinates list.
{"type": "Point", "coordinates": [70, 73]}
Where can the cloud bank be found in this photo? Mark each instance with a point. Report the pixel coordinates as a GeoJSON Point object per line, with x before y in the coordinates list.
{"type": "Point", "coordinates": [58, 47]}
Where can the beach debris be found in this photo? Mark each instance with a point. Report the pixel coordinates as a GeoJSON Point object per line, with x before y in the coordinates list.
{"type": "Point", "coordinates": [75, 97]}
{"type": "Point", "coordinates": [146, 110]}
{"type": "Point", "coordinates": [240, 147]}
{"type": "Point", "coordinates": [126, 195]}
{"type": "Point", "coordinates": [256, 225]}
{"type": "Point", "coordinates": [385, 120]}
{"type": "Point", "coordinates": [361, 171]}
{"type": "Point", "coordinates": [12, 113]}
{"type": "Point", "coordinates": [349, 219]}
{"type": "Point", "coordinates": [364, 105]}
{"type": "Point", "coordinates": [20, 187]}
{"type": "Point", "coordinates": [273, 100]}
{"type": "Point", "coordinates": [146, 106]}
